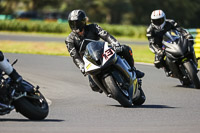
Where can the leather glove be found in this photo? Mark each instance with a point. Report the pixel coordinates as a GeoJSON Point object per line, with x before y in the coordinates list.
{"type": "Point", "coordinates": [118, 49]}
{"type": "Point", "coordinates": [160, 53]}
{"type": "Point", "coordinates": [187, 35]}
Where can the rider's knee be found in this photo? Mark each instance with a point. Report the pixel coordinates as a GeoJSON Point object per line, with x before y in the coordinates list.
{"type": "Point", "coordinates": [158, 64]}
{"type": "Point", "coordinates": [1, 56]}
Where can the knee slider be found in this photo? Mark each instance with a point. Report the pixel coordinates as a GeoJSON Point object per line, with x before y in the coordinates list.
{"type": "Point", "coordinates": [1, 56]}
{"type": "Point", "coordinates": [157, 64]}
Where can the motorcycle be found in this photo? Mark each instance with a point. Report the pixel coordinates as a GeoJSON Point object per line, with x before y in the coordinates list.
{"type": "Point", "coordinates": [24, 98]}
{"type": "Point", "coordinates": [112, 73]}
{"type": "Point", "coordinates": [180, 58]}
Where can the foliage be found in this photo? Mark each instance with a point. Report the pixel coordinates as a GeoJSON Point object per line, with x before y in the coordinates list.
{"type": "Point", "coordinates": [32, 26]}
{"type": "Point", "coordinates": [125, 30]}
{"type": "Point", "coordinates": [54, 27]}
{"type": "Point", "coordinates": [137, 12]}
{"type": "Point", "coordinates": [185, 12]}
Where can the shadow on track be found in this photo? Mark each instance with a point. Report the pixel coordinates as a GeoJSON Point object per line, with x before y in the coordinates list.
{"type": "Point", "coordinates": [27, 120]}
{"type": "Point", "coordinates": [148, 106]}
{"type": "Point", "coordinates": [154, 106]}
{"type": "Point", "coordinates": [184, 86]}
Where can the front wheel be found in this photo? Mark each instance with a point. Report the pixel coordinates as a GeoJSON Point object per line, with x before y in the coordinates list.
{"type": "Point", "coordinates": [34, 107]}
{"type": "Point", "coordinates": [116, 92]}
{"type": "Point", "coordinates": [141, 99]}
{"type": "Point", "coordinates": [192, 73]}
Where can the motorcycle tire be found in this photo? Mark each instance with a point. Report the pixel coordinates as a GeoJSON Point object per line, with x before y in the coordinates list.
{"type": "Point", "coordinates": [141, 99]}
{"type": "Point", "coordinates": [192, 73]}
{"type": "Point", "coordinates": [116, 92]}
{"type": "Point", "coordinates": [33, 109]}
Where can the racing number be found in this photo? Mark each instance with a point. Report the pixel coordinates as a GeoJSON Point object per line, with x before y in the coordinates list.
{"type": "Point", "coordinates": [107, 53]}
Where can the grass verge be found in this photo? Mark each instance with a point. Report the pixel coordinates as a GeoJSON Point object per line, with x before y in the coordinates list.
{"type": "Point", "coordinates": [141, 53]}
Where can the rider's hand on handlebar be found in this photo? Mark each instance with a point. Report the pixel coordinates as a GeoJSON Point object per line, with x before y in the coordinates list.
{"type": "Point", "coordinates": [118, 49]}
{"type": "Point", "coordinates": [160, 53]}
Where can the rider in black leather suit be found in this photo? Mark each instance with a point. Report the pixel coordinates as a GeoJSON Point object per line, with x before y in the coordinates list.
{"type": "Point", "coordinates": [8, 69]}
{"type": "Point", "coordinates": [158, 27]}
{"type": "Point", "coordinates": [11, 72]}
{"type": "Point", "coordinates": [80, 31]}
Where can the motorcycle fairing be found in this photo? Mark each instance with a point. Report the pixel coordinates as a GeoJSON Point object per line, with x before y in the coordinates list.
{"type": "Point", "coordinates": [123, 66]}
{"type": "Point", "coordinates": [106, 55]}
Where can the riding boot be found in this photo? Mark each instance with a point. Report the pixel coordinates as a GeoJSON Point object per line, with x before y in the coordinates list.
{"type": "Point", "coordinates": [15, 76]}
{"type": "Point", "coordinates": [139, 74]}
{"type": "Point", "coordinates": [168, 72]}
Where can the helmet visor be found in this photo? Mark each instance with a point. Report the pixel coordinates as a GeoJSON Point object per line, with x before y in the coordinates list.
{"type": "Point", "coordinates": [158, 22]}
{"type": "Point", "coordinates": [76, 25]}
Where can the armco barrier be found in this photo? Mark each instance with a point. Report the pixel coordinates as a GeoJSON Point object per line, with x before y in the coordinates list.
{"type": "Point", "coordinates": [196, 34]}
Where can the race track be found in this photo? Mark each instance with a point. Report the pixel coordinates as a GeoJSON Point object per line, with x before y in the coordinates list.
{"type": "Point", "coordinates": [169, 108]}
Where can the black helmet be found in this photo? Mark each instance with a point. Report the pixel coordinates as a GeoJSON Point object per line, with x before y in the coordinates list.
{"type": "Point", "coordinates": [77, 20]}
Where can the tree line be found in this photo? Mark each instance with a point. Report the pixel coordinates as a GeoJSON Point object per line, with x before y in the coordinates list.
{"type": "Point", "coordinates": [131, 12]}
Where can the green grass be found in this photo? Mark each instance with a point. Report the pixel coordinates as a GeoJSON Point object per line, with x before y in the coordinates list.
{"type": "Point", "coordinates": [44, 48]}
{"type": "Point", "coordinates": [131, 31]}
{"type": "Point", "coordinates": [141, 53]}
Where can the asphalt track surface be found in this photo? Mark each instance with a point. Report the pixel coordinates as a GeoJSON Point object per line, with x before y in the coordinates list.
{"type": "Point", "coordinates": [37, 38]}
{"type": "Point", "coordinates": [169, 108]}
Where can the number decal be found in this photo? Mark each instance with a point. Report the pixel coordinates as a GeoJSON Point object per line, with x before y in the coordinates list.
{"type": "Point", "coordinates": [107, 54]}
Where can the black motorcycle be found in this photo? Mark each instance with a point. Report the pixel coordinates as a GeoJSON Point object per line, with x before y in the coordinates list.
{"type": "Point", "coordinates": [180, 58]}
{"type": "Point", "coordinates": [112, 74]}
{"type": "Point", "coordinates": [24, 98]}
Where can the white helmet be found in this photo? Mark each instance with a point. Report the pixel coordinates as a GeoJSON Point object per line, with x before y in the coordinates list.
{"type": "Point", "coordinates": [158, 19]}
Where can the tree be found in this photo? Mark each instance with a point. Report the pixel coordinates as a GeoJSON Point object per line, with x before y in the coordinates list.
{"type": "Point", "coordinates": [185, 12]}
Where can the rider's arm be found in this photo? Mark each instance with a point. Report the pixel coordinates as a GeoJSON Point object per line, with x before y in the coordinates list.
{"type": "Point", "coordinates": [184, 32]}
{"type": "Point", "coordinates": [178, 28]}
{"type": "Point", "coordinates": [153, 47]}
{"type": "Point", "coordinates": [106, 36]}
{"type": "Point", "coordinates": [73, 52]}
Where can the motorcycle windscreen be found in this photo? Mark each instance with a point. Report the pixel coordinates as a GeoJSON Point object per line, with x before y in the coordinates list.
{"type": "Point", "coordinates": [94, 52]}
{"type": "Point", "coordinates": [175, 44]}
{"type": "Point", "coordinates": [171, 36]}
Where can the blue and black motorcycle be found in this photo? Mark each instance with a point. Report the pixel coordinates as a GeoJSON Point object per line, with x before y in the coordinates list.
{"type": "Point", "coordinates": [112, 74]}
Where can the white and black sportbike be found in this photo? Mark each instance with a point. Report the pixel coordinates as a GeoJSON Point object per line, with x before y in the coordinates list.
{"type": "Point", "coordinates": [180, 58]}
{"type": "Point", "coordinates": [112, 74]}
{"type": "Point", "coordinates": [24, 98]}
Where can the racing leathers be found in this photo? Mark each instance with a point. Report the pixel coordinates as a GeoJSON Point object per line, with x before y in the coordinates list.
{"type": "Point", "coordinates": [95, 32]}
{"type": "Point", "coordinates": [155, 37]}
{"type": "Point", "coordinates": [6, 67]}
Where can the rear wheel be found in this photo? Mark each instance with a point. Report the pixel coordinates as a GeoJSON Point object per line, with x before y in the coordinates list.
{"type": "Point", "coordinates": [192, 73]}
{"type": "Point", "coordinates": [32, 108]}
{"type": "Point", "coordinates": [116, 92]}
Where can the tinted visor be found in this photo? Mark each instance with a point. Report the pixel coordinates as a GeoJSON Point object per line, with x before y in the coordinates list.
{"type": "Point", "coordinates": [158, 22]}
{"type": "Point", "coordinates": [75, 25]}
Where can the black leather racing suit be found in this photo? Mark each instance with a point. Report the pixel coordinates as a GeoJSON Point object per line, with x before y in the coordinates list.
{"type": "Point", "coordinates": [94, 32]}
{"type": "Point", "coordinates": [1, 56]}
{"type": "Point", "coordinates": [4, 65]}
{"type": "Point", "coordinates": [155, 38]}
